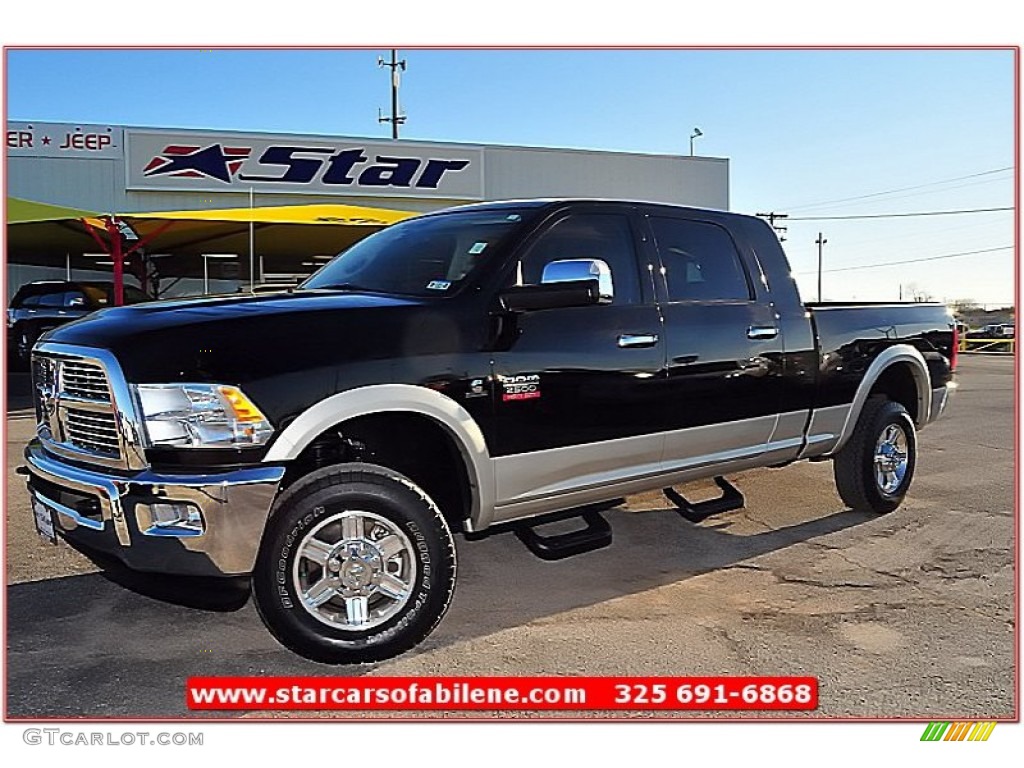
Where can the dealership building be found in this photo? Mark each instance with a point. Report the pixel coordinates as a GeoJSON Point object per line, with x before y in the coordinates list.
{"type": "Point", "coordinates": [63, 173]}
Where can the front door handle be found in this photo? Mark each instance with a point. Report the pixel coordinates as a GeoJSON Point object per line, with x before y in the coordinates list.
{"type": "Point", "coordinates": [762, 332]}
{"type": "Point", "coordinates": [635, 340]}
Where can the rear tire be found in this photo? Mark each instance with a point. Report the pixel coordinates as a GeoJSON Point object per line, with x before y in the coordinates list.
{"type": "Point", "coordinates": [357, 565]}
{"type": "Point", "coordinates": [873, 471]}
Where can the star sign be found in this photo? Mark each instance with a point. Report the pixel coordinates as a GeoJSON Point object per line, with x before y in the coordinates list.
{"type": "Point", "coordinates": [208, 161]}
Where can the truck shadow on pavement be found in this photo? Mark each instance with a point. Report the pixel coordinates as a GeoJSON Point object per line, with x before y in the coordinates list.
{"type": "Point", "coordinates": [118, 643]}
{"type": "Point", "coordinates": [206, 594]}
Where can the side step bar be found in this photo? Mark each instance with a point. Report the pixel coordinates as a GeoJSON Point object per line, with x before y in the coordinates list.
{"type": "Point", "coordinates": [697, 511]}
{"type": "Point", "coordinates": [595, 534]}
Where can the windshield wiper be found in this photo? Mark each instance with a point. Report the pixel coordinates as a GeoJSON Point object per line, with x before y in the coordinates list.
{"type": "Point", "coordinates": [344, 287]}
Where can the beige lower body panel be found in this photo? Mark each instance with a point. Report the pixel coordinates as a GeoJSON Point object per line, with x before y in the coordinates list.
{"type": "Point", "coordinates": [561, 478]}
{"type": "Point", "coordinates": [825, 429]}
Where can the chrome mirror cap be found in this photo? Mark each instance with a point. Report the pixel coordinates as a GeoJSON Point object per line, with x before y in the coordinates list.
{"type": "Point", "coordinates": [567, 270]}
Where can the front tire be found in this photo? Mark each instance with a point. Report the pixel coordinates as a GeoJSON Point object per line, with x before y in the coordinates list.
{"type": "Point", "coordinates": [357, 565]}
{"type": "Point", "coordinates": [873, 471]}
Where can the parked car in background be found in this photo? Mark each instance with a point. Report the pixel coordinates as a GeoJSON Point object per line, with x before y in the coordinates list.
{"type": "Point", "coordinates": [41, 305]}
{"type": "Point", "coordinates": [993, 331]}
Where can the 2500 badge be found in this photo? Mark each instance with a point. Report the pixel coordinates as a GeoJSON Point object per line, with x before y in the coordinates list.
{"type": "Point", "coordinates": [525, 386]}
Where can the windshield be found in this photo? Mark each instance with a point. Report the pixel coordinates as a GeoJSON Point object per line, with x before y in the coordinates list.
{"type": "Point", "coordinates": [429, 256]}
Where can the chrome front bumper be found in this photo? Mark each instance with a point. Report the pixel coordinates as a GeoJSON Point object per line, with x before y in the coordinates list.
{"type": "Point", "coordinates": [113, 514]}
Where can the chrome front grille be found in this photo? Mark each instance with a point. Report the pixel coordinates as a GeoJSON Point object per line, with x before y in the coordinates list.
{"type": "Point", "coordinates": [86, 380]}
{"type": "Point", "coordinates": [84, 408]}
{"type": "Point", "coordinates": [92, 431]}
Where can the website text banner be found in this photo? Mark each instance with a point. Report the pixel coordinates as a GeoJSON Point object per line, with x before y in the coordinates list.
{"type": "Point", "coordinates": [576, 694]}
{"type": "Point", "coordinates": [217, 162]}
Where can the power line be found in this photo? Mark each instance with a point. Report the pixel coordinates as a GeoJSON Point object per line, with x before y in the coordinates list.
{"type": "Point", "coordinates": [911, 261]}
{"type": "Point", "coordinates": [898, 215]}
{"type": "Point", "coordinates": [900, 189]}
{"type": "Point", "coordinates": [779, 229]}
{"type": "Point", "coordinates": [962, 224]}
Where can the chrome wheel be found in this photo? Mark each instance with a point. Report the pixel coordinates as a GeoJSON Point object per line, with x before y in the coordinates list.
{"type": "Point", "coordinates": [891, 458]}
{"type": "Point", "coordinates": [354, 570]}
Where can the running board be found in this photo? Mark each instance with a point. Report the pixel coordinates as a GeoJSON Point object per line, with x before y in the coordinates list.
{"type": "Point", "coordinates": [698, 511]}
{"type": "Point", "coordinates": [595, 534]}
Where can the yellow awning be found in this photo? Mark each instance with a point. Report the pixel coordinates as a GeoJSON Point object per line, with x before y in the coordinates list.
{"type": "Point", "coordinates": [327, 213]}
{"type": "Point", "coordinates": [287, 231]}
{"type": "Point", "coordinates": [24, 211]}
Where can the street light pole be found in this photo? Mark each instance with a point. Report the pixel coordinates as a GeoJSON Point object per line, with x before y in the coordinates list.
{"type": "Point", "coordinates": [696, 134]}
{"type": "Point", "coordinates": [821, 242]}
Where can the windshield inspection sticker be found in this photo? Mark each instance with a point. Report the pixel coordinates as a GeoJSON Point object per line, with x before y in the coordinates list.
{"type": "Point", "coordinates": [439, 285]}
{"type": "Point", "coordinates": [477, 248]}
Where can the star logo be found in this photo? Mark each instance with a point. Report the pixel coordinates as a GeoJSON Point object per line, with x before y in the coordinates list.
{"type": "Point", "coordinates": [212, 162]}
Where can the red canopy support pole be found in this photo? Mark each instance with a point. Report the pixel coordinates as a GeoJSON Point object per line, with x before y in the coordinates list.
{"type": "Point", "coordinates": [89, 228]}
{"type": "Point", "coordinates": [146, 240]}
{"type": "Point", "coordinates": [115, 253]}
{"type": "Point", "coordinates": [143, 275]}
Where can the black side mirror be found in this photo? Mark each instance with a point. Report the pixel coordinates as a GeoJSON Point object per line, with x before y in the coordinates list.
{"type": "Point", "coordinates": [571, 293]}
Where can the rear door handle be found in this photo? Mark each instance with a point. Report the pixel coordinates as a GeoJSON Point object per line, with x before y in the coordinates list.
{"type": "Point", "coordinates": [762, 332]}
{"type": "Point", "coordinates": [634, 340]}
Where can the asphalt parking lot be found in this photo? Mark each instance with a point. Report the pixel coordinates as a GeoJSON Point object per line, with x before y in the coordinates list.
{"type": "Point", "coordinates": [905, 615]}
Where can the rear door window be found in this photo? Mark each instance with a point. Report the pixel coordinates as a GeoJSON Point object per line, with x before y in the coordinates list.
{"type": "Point", "coordinates": [700, 261]}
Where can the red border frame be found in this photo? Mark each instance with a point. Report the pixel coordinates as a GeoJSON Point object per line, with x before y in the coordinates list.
{"type": "Point", "coordinates": [710, 718]}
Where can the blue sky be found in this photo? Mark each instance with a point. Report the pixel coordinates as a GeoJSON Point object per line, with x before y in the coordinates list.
{"type": "Point", "coordinates": [800, 128]}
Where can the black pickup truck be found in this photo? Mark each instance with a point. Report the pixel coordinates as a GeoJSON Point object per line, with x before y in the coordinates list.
{"type": "Point", "coordinates": [490, 367]}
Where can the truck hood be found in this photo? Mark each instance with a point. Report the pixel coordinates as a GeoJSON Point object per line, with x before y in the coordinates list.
{"type": "Point", "coordinates": [235, 339]}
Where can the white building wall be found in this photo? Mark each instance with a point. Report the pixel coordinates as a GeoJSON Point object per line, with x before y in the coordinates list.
{"type": "Point", "coordinates": [518, 172]}
{"type": "Point", "coordinates": [98, 181]}
{"type": "Point", "coordinates": [91, 184]}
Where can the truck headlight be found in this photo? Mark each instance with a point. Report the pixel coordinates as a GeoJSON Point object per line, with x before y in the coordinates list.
{"type": "Point", "coordinates": [201, 416]}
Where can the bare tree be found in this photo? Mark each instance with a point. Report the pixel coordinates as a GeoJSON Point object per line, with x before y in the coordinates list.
{"type": "Point", "coordinates": [964, 306]}
{"type": "Point", "coordinates": [917, 294]}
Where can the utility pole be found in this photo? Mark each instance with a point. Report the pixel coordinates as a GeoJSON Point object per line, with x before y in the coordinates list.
{"type": "Point", "coordinates": [779, 230]}
{"type": "Point", "coordinates": [821, 242]}
{"type": "Point", "coordinates": [395, 65]}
